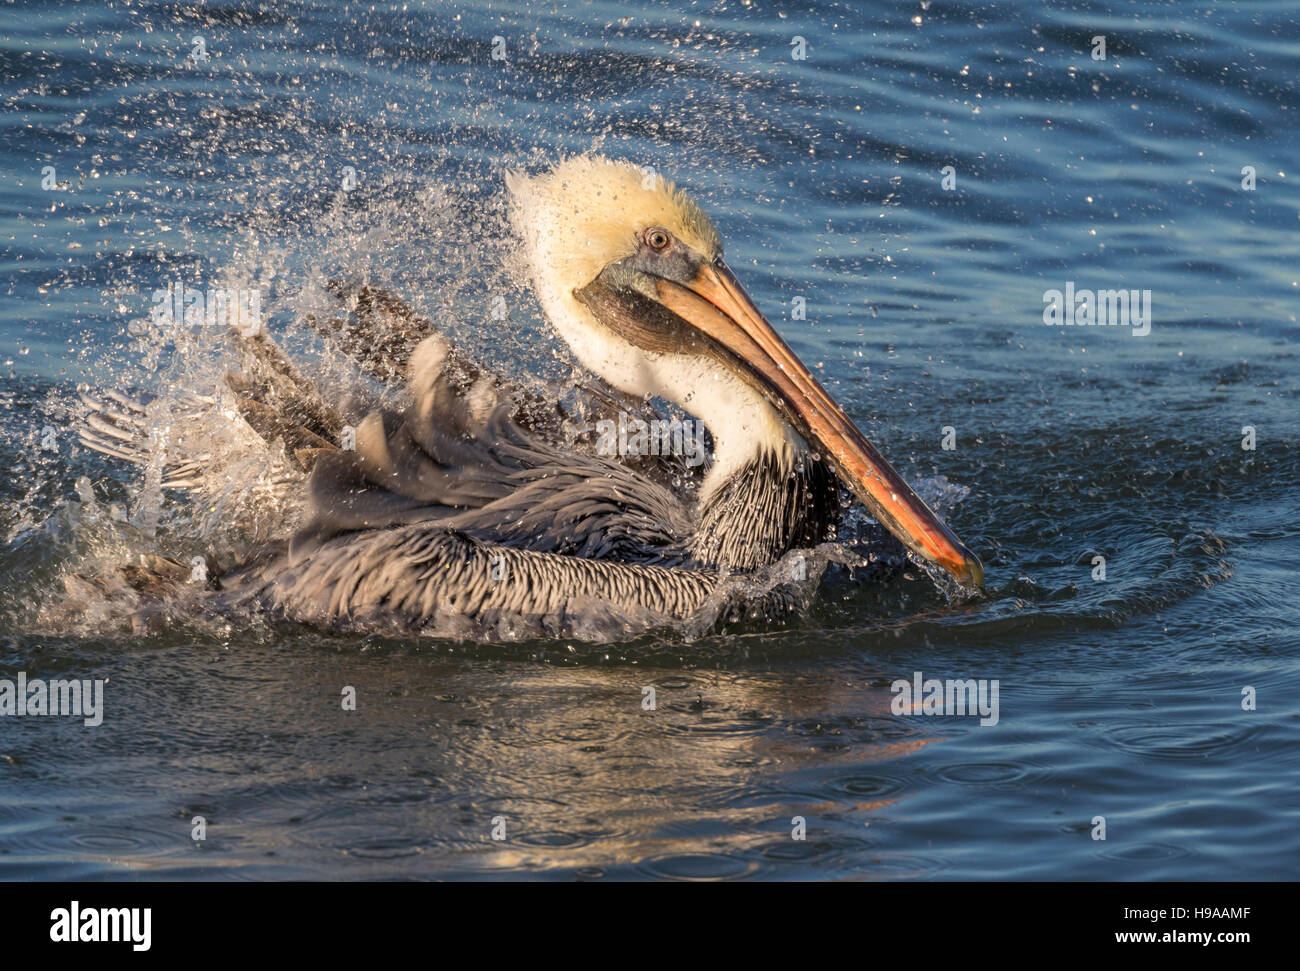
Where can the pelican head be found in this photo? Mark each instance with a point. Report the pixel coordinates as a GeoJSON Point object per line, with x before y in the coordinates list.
{"type": "Point", "coordinates": [630, 272]}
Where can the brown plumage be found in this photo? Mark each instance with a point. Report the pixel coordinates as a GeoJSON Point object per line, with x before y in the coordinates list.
{"type": "Point", "coordinates": [475, 505]}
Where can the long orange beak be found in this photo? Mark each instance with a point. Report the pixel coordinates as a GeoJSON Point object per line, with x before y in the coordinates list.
{"type": "Point", "coordinates": [716, 304]}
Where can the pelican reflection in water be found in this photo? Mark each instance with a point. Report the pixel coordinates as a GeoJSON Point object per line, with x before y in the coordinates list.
{"type": "Point", "coordinates": [471, 502]}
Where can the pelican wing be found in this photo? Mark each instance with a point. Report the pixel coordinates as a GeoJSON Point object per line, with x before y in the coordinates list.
{"type": "Point", "coordinates": [458, 459]}
{"type": "Point", "coordinates": [422, 576]}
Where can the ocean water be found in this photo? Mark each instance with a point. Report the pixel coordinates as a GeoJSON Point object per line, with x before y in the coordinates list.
{"type": "Point", "coordinates": [918, 176]}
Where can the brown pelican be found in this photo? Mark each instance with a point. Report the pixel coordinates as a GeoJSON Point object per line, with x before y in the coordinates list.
{"type": "Point", "coordinates": [470, 503]}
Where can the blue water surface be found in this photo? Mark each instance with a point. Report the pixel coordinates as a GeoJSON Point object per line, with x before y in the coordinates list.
{"type": "Point", "coordinates": [921, 177]}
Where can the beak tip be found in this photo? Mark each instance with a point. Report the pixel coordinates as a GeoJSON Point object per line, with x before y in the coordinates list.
{"type": "Point", "coordinates": [973, 575]}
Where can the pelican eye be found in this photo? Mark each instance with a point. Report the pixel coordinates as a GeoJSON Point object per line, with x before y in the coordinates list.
{"type": "Point", "coordinates": [657, 239]}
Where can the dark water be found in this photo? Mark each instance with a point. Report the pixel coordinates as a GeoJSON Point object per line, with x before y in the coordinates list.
{"type": "Point", "coordinates": [1119, 698]}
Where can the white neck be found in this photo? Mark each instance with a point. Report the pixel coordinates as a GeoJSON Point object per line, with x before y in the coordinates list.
{"type": "Point", "coordinates": [743, 424]}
